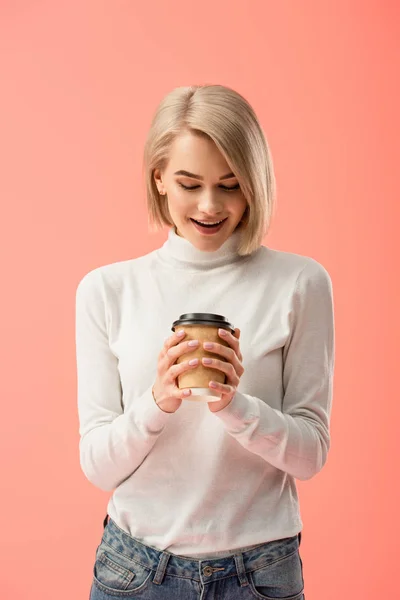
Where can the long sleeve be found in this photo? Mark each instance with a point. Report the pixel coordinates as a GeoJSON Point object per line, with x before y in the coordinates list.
{"type": "Point", "coordinates": [296, 439]}
{"type": "Point", "coordinates": [113, 443]}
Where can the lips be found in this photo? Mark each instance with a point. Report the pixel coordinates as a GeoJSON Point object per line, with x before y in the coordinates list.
{"type": "Point", "coordinates": [208, 222]}
{"type": "Point", "coordinates": [208, 230]}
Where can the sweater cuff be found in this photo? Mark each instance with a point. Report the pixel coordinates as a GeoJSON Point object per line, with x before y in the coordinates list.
{"type": "Point", "coordinates": [236, 413]}
{"type": "Point", "coordinates": [147, 412]}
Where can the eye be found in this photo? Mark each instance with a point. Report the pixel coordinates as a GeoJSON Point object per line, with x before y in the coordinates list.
{"type": "Point", "coordinates": [234, 187]}
{"type": "Point", "coordinates": [223, 187]}
{"type": "Point", "coordinates": [185, 187]}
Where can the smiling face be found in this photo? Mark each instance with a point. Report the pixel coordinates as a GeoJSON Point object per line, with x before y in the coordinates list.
{"type": "Point", "coordinates": [200, 185]}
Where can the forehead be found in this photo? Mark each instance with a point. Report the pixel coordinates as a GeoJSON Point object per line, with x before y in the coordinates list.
{"type": "Point", "coordinates": [193, 153]}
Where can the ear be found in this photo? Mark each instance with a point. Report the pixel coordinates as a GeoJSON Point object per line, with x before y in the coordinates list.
{"type": "Point", "coordinates": [158, 178]}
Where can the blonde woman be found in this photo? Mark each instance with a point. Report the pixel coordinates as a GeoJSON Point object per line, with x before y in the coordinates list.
{"type": "Point", "coordinates": [204, 501]}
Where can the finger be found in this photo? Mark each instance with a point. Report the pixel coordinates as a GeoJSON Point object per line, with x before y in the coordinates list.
{"type": "Point", "coordinates": [224, 388]}
{"type": "Point", "coordinates": [173, 340]}
{"type": "Point", "coordinates": [170, 344]}
{"type": "Point", "coordinates": [229, 337]}
{"type": "Point", "coordinates": [227, 353]}
{"type": "Point", "coordinates": [238, 352]}
{"type": "Point", "coordinates": [176, 351]}
{"type": "Point", "coordinates": [180, 368]}
{"type": "Point", "coordinates": [232, 340]}
{"type": "Point", "coordinates": [225, 367]}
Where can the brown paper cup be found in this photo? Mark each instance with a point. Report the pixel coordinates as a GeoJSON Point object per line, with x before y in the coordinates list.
{"type": "Point", "coordinates": [200, 376]}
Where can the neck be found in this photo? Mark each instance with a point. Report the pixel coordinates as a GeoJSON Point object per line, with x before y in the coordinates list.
{"type": "Point", "coordinates": [178, 252]}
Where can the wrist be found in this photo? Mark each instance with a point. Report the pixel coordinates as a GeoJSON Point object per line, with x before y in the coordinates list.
{"type": "Point", "coordinates": [152, 392]}
{"type": "Point", "coordinates": [155, 400]}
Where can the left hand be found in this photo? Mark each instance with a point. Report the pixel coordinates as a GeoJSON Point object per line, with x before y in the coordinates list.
{"type": "Point", "coordinates": [232, 367]}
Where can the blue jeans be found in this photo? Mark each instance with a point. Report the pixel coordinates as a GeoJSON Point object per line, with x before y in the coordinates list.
{"type": "Point", "coordinates": [127, 568]}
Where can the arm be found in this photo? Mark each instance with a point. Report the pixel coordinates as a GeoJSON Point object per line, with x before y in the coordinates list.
{"type": "Point", "coordinates": [113, 443]}
{"type": "Point", "coordinates": [296, 439]}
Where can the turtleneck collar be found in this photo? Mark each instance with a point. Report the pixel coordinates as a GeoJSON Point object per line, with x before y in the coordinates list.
{"type": "Point", "coordinates": [178, 252]}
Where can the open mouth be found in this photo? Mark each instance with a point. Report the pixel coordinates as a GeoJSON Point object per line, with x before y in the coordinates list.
{"type": "Point", "coordinates": [208, 228]}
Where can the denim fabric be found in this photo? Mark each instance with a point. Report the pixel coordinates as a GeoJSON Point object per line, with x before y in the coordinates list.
{"type": "Point", "coordinates": [126, 568]}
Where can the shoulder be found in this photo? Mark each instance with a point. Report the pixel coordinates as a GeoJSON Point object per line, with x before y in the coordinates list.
{"type": "Point", "coordinates": [111, 276]}
{"type": "Point", "coordinates": [299, 268]}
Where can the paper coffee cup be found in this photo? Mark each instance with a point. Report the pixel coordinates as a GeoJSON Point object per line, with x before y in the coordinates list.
{"type": "Point", "coordinates": [203, 327]}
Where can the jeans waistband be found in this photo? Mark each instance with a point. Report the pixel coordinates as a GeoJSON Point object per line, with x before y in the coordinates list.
{"type": "Point", "coordinates": [163, 562]}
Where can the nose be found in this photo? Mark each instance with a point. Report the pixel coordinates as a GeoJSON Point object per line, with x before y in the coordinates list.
{"type": "Point", "coordinates": [210, 205]}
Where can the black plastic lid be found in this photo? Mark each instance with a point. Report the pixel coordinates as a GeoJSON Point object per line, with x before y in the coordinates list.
{"type": "Point", "coordinates": [203, 319]}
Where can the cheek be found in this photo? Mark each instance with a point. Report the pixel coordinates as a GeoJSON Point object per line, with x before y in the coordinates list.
{"type": "Point", "coordinates": [240, 205]}
{"type": "Point", "coordinates": [178, 203]}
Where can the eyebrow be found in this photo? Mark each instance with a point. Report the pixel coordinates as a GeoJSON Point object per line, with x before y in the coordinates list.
{"type": "Point", "coordinates": [194, 176]}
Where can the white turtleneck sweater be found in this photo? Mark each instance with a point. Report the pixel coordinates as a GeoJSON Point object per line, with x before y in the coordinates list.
{"type": "Point", "coordinates": [193, 482]}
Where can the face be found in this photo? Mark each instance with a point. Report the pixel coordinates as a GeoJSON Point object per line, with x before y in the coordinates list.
{"type": "Point", "coordinates": [208, 192]}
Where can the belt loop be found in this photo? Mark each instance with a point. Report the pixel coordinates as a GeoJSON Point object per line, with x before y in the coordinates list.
{"type": "Point", "coordinates": [240, 569]}
{"type": "Point", "coordinates": [105, 521]}
{"type": "Point", "coordinates": [162, 565]}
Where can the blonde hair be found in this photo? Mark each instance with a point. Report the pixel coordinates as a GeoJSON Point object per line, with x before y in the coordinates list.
{"type": "Point", "coordinates": [223, 115]}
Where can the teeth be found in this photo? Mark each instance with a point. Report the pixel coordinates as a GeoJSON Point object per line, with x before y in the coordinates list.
{"type": "Point", "coordinates": [203, 223]}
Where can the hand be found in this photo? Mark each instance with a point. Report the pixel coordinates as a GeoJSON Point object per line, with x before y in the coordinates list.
{"type": "Point", "coordinates": [233, 369]}
{"type": "Point", "coordinates": [166, 393]}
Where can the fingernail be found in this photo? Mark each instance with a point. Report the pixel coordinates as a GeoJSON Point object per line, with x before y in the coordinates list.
{"type": "Point", "coordinates": [207, 361]}
{"type": "Point", "coordinates": [223, 332]}
{"type": "Point", "coordinates": [180, 332]}
{"type": "Point", "coordinates": [193, 343]}
{"type": "Point", "coordinates": [194, 361]}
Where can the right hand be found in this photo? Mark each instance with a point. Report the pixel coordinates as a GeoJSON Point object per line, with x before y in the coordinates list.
{"type": "Point", "coordinates": [167, 394]}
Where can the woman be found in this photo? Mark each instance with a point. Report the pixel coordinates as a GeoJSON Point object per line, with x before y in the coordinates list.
{"type": "Point", "coordinates": [204, 494]}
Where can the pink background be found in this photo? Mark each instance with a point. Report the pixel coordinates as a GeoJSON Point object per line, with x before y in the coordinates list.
{"type": "Point", "coordinates": [79, 84]}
